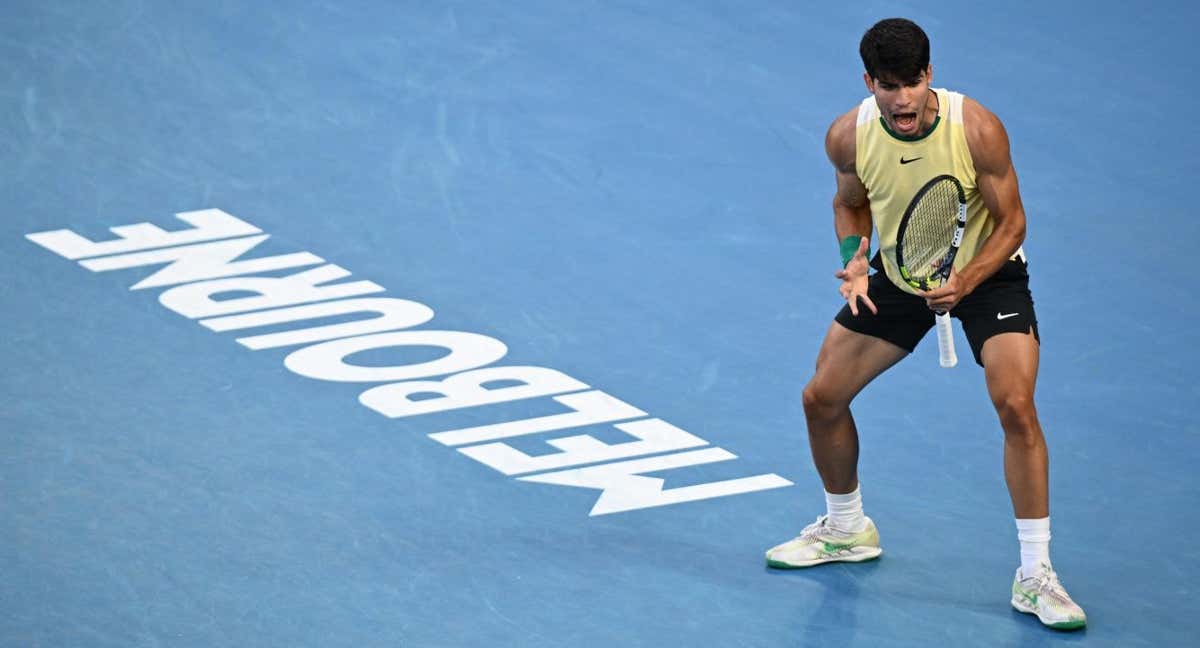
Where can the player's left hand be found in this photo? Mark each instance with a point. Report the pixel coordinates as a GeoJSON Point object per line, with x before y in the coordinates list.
{"type": "Point", "coordinates": [946, 296]}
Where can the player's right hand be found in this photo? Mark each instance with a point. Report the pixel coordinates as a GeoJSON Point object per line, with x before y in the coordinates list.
{"type": "Point", "coordinates": [854, 279]}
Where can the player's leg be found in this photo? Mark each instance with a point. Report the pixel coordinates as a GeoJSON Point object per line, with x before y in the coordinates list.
{"type": "Point", "coordinates": [1010, 365]}
{"type": "Point", "coordinates": [1001, 325]}
{"type": "Point", "coordinates": [846, 363]}
{"type": "Point", "coordinates": [1010, 362]}
{"type": "Point", "coordinates": [999, 320]}
{"type": "Point", "coordinates": [856, 349]}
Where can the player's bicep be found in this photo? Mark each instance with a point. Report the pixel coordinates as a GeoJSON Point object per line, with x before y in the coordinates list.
{"type": "Point", "coordinates": [1000, 193]}
{"type": "Point", "coordinates": [851, 209]}
{"type": "Point", "coordinates": [995, 175]}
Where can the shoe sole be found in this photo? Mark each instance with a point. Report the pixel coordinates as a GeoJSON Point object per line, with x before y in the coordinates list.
{"type": "Point", "coordinates": [858, 554]}
{"type": "Point", "coordinates": [1021, 606]}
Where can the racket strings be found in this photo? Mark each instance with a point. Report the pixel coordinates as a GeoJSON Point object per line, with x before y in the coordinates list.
{"type": "Point", "coordinates": [930, 230]}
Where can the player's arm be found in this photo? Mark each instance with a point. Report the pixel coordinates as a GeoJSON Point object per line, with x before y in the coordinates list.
{"type": "Point", "coordinates": [997, 182]}
{"type": "Point", "coordinates": [851, 209]}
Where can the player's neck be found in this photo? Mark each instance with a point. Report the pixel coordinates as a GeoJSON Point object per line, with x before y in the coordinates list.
{"type": "Point", "coordinates": [929, 114]}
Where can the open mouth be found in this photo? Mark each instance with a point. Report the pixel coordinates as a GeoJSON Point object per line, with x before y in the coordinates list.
{"type": "Point", "coordinates": [905, 121]}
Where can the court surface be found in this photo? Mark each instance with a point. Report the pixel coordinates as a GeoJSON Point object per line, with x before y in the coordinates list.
{"type": "Point", "coordinates": [631, 197]}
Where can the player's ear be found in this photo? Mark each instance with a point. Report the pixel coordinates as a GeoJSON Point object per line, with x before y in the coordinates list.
{"type": "Point", "coordinates": [869, 81]}
{"type": "Point", "coordinates": [929, 73]}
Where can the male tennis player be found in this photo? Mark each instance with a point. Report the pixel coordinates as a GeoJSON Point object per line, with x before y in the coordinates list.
{"type": "Point", "coordinates": [883, 151]}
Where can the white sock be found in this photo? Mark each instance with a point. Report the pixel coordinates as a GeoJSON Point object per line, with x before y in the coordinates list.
{"type": "Point", "coordinates": [1035, 543]}
{"type": "Point", "coordinates": [846, 511]}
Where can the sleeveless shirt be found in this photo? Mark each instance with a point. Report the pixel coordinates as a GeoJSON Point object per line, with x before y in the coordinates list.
{"type": "Point", "coordinates": [894, 168]}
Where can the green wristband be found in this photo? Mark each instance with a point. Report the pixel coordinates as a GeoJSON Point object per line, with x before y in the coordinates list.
{"type": "Point", "coordinates": [850, 247]}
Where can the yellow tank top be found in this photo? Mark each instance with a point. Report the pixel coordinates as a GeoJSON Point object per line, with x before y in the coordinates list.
{"type": "Point", "coordinates": [893, 169]}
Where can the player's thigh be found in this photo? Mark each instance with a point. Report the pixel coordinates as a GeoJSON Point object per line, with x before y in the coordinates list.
{"type": "Point", "coordinates": [847, 362]}
{"type": "Point", "coordinates": [1010, 366]}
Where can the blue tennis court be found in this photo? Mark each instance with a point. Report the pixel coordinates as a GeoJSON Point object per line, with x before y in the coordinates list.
{"type": "Point", "coordinates": [457, 324]}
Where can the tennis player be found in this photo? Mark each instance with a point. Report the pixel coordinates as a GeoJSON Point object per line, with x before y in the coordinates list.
{"type": "Point", "coordinates": [884, 151]}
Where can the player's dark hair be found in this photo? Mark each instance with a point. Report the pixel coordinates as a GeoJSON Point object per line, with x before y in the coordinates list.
{"type": "Point", "coordinates": [895, 48]}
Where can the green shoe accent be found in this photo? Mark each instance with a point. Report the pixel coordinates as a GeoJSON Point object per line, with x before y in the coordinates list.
{"type": "Point", "coordinates": [1043, 595]}
{"type": "Point", "coordinates": [818, 543]}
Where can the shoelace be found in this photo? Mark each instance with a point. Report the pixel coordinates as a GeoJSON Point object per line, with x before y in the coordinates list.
{"type": "Point", "coordinates": [1046, 582]}
{"type": "Point", "coordinates": [813, 530]}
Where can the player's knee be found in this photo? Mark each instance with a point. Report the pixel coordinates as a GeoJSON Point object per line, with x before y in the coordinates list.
{"type": "Point", "coordinates": [820, 402]}
{"type": "Point", "coordinates": [1017, 414]}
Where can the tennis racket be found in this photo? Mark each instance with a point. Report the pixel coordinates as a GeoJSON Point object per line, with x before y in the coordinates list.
{"type": "Point", "coordinates": [927, 242]}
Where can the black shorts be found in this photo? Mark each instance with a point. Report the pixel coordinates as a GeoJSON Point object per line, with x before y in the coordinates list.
{"type": "Point", "coordinates": [1001, 304]}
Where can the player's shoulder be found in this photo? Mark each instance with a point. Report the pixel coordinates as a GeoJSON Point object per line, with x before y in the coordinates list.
{"type": "Point", "coordinates": [840, 139]}
{"type": "Point", "coordinates": [980, 123]}
{"type": "Point", "coordinates": [986, 136]}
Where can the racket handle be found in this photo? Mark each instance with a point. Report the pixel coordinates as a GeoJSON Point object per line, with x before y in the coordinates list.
{"type": "Point", "coordinates": [945, 337]}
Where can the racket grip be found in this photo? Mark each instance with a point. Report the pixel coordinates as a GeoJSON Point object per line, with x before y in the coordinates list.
{"type": "Point", "coordinates": [945, 338]}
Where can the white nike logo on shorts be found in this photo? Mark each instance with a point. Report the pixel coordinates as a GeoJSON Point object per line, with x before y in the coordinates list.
{"type": "Point", "coordinates": [1002, 316]}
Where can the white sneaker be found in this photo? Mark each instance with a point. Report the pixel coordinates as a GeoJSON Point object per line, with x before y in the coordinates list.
{"type": "Point", "coordinates": [1043, 595]}
{"type": "Point", "coordinates": [820, 543]}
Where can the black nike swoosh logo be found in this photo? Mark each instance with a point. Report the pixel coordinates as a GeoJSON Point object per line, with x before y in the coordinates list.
{"type": "Point", "coordinates": [903, 161]}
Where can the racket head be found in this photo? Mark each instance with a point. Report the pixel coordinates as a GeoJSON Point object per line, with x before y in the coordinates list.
{"type": "Point", "coordinates": [930, 232]}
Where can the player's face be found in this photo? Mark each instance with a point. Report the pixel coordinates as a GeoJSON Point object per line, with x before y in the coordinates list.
{"type": "Point", "coordinates": [903, 103]}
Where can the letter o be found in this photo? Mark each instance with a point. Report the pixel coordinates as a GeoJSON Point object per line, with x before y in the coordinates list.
{"type": "Point", "coordinates": [326, 361]}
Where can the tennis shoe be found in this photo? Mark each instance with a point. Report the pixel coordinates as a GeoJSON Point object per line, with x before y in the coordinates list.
{"type": "Point", "coordinates": [821, 543]}
{"type": "Point", "coordinates": [1042, 594]}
